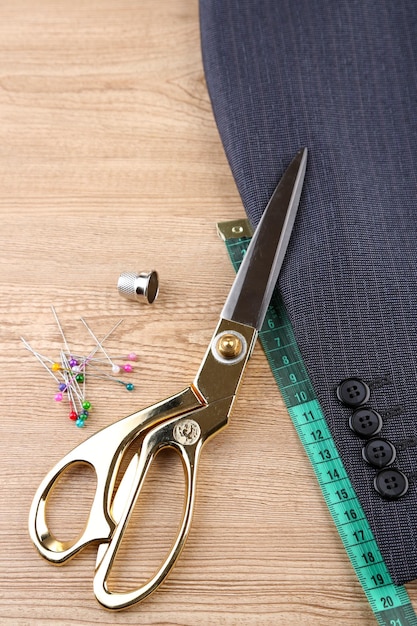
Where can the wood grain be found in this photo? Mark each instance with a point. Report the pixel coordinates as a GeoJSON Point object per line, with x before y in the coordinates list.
{"type": "Point", "coordinates": [110, 161]}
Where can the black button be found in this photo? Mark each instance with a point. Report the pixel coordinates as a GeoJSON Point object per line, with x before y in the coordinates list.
{"type": "Point", "coordinates": [391, 484]}
{"type": "Point", "coordinates": [353, 392]}
{"type": "Point", "coordinates": [379, 453]}
{"type": "Point", "coordinates": [365, 422]}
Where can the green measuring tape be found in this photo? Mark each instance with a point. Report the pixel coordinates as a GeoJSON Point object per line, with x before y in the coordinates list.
{"type": "Point", "coordinates": [391, 604]}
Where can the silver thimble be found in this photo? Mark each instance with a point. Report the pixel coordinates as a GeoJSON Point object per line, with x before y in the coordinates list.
{"type": "Point", "coordinates": [141, 287]}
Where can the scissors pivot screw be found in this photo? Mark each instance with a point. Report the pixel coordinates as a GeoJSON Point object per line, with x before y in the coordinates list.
{"type": "Point", "coordinates": [229, 346]}
{"type": "Point", "coordinates": [187, 432]}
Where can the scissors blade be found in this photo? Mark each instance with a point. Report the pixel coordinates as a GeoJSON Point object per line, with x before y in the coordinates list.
{"type": "Point", "coordinates": [252, 289]}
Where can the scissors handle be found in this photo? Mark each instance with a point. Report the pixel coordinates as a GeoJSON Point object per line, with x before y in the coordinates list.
{"type": "Point", "coordinates": [186, 435]}
{"type": "Point", "coordinates": [103, 452]}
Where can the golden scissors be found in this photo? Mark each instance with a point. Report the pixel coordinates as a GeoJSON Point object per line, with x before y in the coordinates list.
{"type": "Point", "coordinates": [183, 422]}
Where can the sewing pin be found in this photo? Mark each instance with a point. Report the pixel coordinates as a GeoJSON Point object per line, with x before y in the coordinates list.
{"type": "Point", "coordinates": [129, 386]}
{"type": "Point", "coordinates": [40, 358]}
{"type": "Point", "coordinates": [114, 368]}
{"type": "Point", "coordinates": [60, 329]}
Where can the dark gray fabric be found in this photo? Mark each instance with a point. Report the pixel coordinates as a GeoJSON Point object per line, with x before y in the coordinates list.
{"type": "Point", "coordinates": [339, 78]}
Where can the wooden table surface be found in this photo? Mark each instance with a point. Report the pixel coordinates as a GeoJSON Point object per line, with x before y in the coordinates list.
{"type": "Point", "coordinates": [110, 161]}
